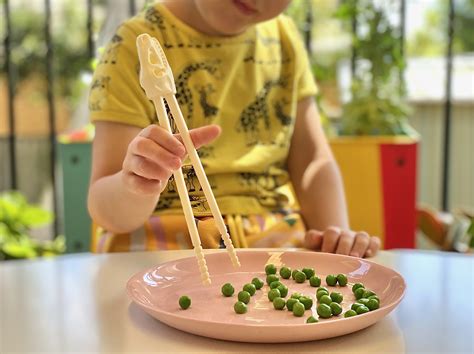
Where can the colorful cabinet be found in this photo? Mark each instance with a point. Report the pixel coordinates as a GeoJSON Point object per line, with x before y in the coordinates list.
{"type": "Point", "coordinates": [379, 176]}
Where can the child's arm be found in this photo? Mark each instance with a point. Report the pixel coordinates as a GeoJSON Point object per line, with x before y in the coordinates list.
{"type": "Point", "coordinates": [130, 168]}
{"type": "Point", "coordinates": [319, 188]}
{"type": "Point", "coordinates": [314, 172]}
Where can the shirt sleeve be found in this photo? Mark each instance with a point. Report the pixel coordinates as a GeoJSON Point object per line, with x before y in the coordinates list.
{"type": "Point", "coordinates": [116, 94]}
{"type": "Point", "coordinates": [305, 83]}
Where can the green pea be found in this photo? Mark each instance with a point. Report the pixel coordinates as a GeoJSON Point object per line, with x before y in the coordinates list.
{"type": "Point", "coordinates": [363, 301]}
{"type": "Point", "coordinates": [324, 310]}
{"type": "Point", "coordinates": [359, 293]}
{"type": "Point", "coordinates": [336, 309]}
{"type": "Point", "coordinates": [362, 309]}
{"type": "Point", "coordinates": [250, 288]}
{"type": "Point", "coordinates": [373, 304]}
{"type": "Point", "coordinates": [311, 319]}
{"type": "Point", "coordinates": [285, 272]}
{"type": "Point", "coordinates": [283, 290]}
{"type": "Point", "coordinates": [184, 302]}
{"type": "Point", "coordinates": [314, 281]}
{"type": "Point", "coordinates": [357, 286]}
{"type": "Point", "coordinates": [342, 279]}
{"type": "Point", "coordinates": [309, 272]}
{"type": "Point", "coordinates": [274, 293]}
{"type": "Point", "coordinates": [325, 299]}
{"type": "Point", "coordinates": [244, 296]}
{"type": "Point", "coordinates": [300, 277]}
{"type": "Point", "coordinates": [368, 293]}
{"type": "Point", "coordinates": [293, 273]}
{"type": "Point", "coordinates": [321, 293]}
{"type": "Point", "coordinates": [258, 283]}
{"type": "Point", "coordinates": [331, 280]}
{"type": "Point", "coordinates": [336, 297]}
{"type": "Point", "coordinates": [374, 297]}
{"type": "Point", "coordinates": [227, 289]}
{"type": "Point", "coordinates": [298, 309]}
{"type": "Point", "coordinates": [240, 307]}
{"type": "Point", "coordinates": [296, 296]}
{"type": "Point", "coordinates": [279, 303]}
{"type": "Point", "coordinates": [290, 303]}
{"type": "Point", "coordinates": [350, 313]}
{"type": "Point", "coordinates": [306, 301]}
{"type": "Point", "coordinates": [270, 269]}
{"type": "Point", "coordinates": [271, 278]}
{"type": "Point", "coordinates": [355, 305]}
{"type": "Point", "coordinates": [275, 284]}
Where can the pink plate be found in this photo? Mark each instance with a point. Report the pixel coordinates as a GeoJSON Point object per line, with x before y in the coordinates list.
{"type": "Point", "coordinates": [157, 291]}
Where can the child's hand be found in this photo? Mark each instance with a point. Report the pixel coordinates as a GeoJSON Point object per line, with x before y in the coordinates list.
{"type": "Point", "coordinates": [335, 240]}
{"type": "Point", "coordinates": [154, 154]}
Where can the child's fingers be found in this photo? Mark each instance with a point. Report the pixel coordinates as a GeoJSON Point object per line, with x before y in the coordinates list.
{"type": "Point", "coordinates": [361, 244]}
{"type": "Point", "coordinates": [147, 148]}
{"type": "Point", "coordinates": [203, 135]}
{"type": "Point", "coordinates": [141, 185]}
{"type": "Point", "coordinates": [148, 169]}
{"type": "Point", "coordinates": [346, 241]}
{"type": "Point", "coordinates": [165, 139]}
{"type": "Point", "coordinates": [374, 246]}
{"type": "Point", "coordinates": [313, 240]}
{"type": "Point", "coordinates": [330, 238]}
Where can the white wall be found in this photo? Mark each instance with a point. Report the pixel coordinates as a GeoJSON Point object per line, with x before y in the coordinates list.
{"type": "Point", "coordinates": [428, 120]}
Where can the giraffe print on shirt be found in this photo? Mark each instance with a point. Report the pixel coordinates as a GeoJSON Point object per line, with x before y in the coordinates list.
{"type": "Point", "coordinates": [110, 54]}
{"type": "Point", "coordinates": [98, 92]}
{"type": "Point", "coordinates": [208, 109]}
{"type": "Point", "coordinates": [156, 22]}
{"type": "Point", "coordinates": [256, 112]}
{"type": "Point", "coordinates": [184, 94]}
{"type": "Point", "coordinates": [280, 114]}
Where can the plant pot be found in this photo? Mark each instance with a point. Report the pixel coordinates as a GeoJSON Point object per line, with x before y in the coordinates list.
{"type": "Point", "coordinates": [379, 176]}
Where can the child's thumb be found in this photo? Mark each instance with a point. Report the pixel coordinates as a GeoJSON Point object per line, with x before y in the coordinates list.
{"type": "Point", "coordinates": [203, 135]}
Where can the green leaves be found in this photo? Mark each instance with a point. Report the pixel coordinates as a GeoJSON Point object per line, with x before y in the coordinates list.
{"type": "Point", "coordinates": [21, 248]}
{"type": "Point", "coordinates": [17, 218]}
{"type": "Point", "coordinates": [69, 36]}
{"type": "Point", "coordinates": [378, 105]}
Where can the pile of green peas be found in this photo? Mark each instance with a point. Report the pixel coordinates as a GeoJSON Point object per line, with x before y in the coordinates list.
{"type": "Point", "coordinates": [367, 301]}
{"type": "Point", "coordinates": [297, 303]}
{"type": "Point", "coordinates": [328, 304]}
{"type": "Point", "coordinates": [243, 296]}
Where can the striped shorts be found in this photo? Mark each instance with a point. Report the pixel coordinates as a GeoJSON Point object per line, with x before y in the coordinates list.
{"type": "Point", "coordinates": [170, 232]}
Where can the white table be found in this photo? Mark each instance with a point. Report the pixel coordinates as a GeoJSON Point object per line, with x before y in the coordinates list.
{"type": "Point", "coordinates": [77, 303]}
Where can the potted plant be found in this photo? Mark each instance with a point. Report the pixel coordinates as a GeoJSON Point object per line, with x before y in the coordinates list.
{"type": "Point", "coordinates": [17, 218]}
{"type": "Point", "coordinates": [376, 149]}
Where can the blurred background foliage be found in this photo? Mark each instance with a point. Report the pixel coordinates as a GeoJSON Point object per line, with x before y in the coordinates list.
{"type": "Point", "coordinates": [330, 40]}
{"type": "Point", "coordinates": [70, 51]}
{"type": "Point", "coordinates": [17, 220]}
{"type": "Point", "coordinates": [431, 39]}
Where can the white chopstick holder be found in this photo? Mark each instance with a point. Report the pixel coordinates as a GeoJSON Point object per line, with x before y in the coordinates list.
{"type": "Point", "coordinates": [156, 78]}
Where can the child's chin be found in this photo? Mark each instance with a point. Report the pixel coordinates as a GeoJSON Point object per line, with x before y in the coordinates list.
{"type": "Point", "coordinates": [229, 30]}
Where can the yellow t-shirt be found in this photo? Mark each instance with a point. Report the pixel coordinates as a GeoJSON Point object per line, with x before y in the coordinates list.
{"type": "Point", "coordinates": [249, 84]}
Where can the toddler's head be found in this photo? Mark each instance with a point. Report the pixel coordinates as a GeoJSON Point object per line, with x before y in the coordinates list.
{"type": "Point", "coordinates": [230, 17]}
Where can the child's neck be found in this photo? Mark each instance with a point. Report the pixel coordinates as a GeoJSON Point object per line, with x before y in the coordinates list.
{"type": "Point", "coordinates": [186, 11]}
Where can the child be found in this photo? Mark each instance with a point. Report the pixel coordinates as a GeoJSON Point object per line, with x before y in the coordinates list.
{"type": "Point", "coordinates": [246, 90]}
